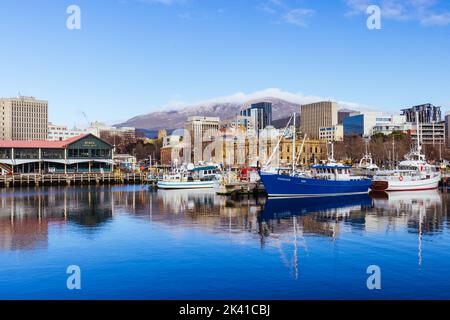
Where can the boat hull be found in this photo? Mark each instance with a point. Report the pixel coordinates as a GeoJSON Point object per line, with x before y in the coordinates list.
{"type": "Point", "coordinates": [398, 185]}
{"type": "Point", "coordinates": [173, 185]}
{"type": "Point", "coordinates": [286, 186]}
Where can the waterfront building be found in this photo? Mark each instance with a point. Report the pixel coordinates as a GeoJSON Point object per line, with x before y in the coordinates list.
{"type": "Point", "coordinates": [261, 114]}
{"type": "Point", "coordinates": [201, 129]}
{"type": "Point", "coordinates": [62, 132]}
{"type": "Point", "coordinates": [23, 118]}
{"type": "Point", "coordinates": [428, 113]}
{"type": "Point", "coordinates": [86, 153]}
{"type": "Point", "coordinates": [316, 115]}
{"type": "Point", "coordinates": [332, 133]}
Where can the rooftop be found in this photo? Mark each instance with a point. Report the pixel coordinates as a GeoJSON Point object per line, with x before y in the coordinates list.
{"type": "Point", "coordinates": [42, 144]}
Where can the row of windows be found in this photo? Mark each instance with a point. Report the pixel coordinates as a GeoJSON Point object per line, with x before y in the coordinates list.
{"type": "Point", "coordinates": [55, 153]}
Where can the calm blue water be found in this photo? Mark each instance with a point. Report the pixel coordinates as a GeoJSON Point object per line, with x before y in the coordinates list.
{"type": "Point", "coordinates": [133, 244]}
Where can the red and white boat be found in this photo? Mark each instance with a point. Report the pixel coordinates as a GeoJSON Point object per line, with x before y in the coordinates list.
{"type": "Point", "coordinates": [413, 174]}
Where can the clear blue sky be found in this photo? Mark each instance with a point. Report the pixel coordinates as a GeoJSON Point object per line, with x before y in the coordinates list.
{"type": "Point", "coordinates": [132, 56]}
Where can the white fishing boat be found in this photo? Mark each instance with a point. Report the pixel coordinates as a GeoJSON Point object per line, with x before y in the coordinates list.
{"type": "Point", "coordinates": [191, 177]}
{"type": "Point", "coordinates": [413, 174]}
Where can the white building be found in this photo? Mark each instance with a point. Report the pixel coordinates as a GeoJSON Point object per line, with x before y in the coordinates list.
{"type": "Point", "coordinates": [332, 133]}
{"type": "Point", "coordinates": [61, 132]}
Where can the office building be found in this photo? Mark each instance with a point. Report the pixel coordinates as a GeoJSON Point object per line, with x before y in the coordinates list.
{"type": "Point", "coordinates": [368, 123]}
{"type": "Point", "coordinates": [261, 113]}
{"type": "Point", "coordinates": [431, 133]}
{"type": "Point", "coordinates": [23, 118]}
{"type": "Point", "coordinates": [316, 115]}
{"type": "Point", "coordinates": [431, 126]}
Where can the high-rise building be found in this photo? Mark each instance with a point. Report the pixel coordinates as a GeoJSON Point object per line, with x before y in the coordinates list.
{"type": "Point", "coordinates": [23, 118]}
{"type": "Point", "coordinates": [201, 129]}
{"type": "Point", "coordinates": [316, 115]}
{"type": "Point", "coordinates": [428, 113]}
{"type": "Point", "coordinates": [261, 113]}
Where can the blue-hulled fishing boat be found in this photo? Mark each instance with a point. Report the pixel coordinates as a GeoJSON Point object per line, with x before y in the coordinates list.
{"type": "Point", "coordinates": [330, 179]}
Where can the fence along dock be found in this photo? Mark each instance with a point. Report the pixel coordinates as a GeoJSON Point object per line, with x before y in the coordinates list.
{"type": "Point", "coordinates": [25, 180]}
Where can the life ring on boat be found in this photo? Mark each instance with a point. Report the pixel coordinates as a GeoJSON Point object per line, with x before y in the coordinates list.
{"type": "Point", "coordinates": [400, 178]}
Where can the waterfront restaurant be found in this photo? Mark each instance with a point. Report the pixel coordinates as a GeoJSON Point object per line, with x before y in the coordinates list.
{"type": "Point", "coordinates": [81, 154]}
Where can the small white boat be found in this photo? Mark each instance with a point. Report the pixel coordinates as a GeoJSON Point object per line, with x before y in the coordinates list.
{"type": "Point", "coordinates": [366, 166]}
{"type": "Point", "coordinates": [201, 177]}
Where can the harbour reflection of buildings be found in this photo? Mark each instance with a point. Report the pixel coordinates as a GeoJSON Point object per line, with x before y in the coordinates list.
{"type": "Point", "coordinates": [26, 214]}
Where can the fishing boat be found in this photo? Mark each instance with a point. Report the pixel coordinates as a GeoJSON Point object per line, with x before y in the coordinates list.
{"type": "Point", "coordinates": [413, 174]}
{"type": "Point", "coordinates": [191, 177]}
{"type": "Point", "coordinates": [324, 180]}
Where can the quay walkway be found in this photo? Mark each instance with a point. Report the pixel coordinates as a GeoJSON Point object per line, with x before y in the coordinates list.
{"type": "Point", "coordinates": [18, 180]}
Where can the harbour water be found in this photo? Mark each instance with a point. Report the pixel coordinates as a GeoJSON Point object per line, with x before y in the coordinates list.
{"type": "Point", "coordinates": [134, 244]}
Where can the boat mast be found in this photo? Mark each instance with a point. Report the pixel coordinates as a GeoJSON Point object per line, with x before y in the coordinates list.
{"type": "Point", "coordinates": [419, 135]}
{"type": "Point", "coordinates": [393, 151]}
{"type": "Point", "coordinates": [278, 144]}
{"type": "Point", "coordinates": [332, 151]}
{"type": "Point", "coordinates": [301, 150]}
{"type": "Point", "coordinates": [294, 135]}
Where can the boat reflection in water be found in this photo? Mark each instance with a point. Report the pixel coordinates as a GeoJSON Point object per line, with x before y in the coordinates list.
{"type": "Point", "coordinates": [333, 206]}
{"type": "Point", "coordinates": [417, 211]}
{"type": "Point", "coordinates": [219, 247]}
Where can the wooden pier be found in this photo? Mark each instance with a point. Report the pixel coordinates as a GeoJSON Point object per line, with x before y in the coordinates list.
{"type": "Point", "coordinates": [24, 180]}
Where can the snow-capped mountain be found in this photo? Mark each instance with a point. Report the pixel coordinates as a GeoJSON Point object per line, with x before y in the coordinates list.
{"type": "Point", "coordinates": [283, 105]}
